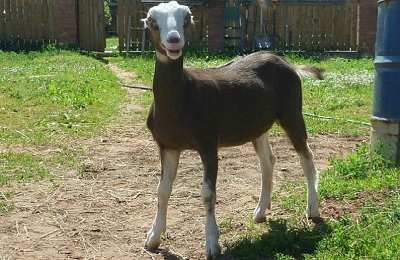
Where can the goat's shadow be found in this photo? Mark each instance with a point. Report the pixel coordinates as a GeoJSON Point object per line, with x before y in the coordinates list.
{"type": "Point", "coordinates": [280, 240]}
{"type": "Point", "coordinates": [167, 255]}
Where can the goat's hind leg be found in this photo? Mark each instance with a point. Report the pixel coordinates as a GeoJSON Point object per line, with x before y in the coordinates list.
{"type": "Point", "coordinates": [169, 165]}
{"type": "Point", "coordinates": [267, 161]}
{"type": "Point", "coordinates": [296, 130]}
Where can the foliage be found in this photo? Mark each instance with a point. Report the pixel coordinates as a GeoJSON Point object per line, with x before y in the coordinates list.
{"type": "Point", "coordinates": [278, 240]}
{"type": "Point", "coordinates": [373, 234]}
{"type": "Point", "coordinates": [47, 95]}
{"type": "Point", "coordinates": [49, 99]}
{"type": "Point", "coordinates": [107, 13]}
{"type": "Point", "coordinates": [360, 171]}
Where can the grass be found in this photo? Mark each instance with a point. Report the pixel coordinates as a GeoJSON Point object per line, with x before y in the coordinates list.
{"type": "Point", "coordinates": [373, 234]}
{"type": "Point", "coordinates": [48, 100]}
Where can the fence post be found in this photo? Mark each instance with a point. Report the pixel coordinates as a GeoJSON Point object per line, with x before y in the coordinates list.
{"type": "Point", "coordinates": [386, 102]}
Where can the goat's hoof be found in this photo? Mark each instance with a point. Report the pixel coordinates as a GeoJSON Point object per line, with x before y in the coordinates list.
{"type": "Point", "coordinates": [213, 253]}
{"type": "Point", "coordinates": [313, 212]}
{"type": "Point", "coordinates": [152, 243]}
{"type": "Point", "coordinates": [259, 219]}
{"type": "Point", "coordinates": [259, 216]}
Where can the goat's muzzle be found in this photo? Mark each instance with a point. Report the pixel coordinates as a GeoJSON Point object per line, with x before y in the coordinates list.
{"type": "Point", "coordinates": [174, 44]}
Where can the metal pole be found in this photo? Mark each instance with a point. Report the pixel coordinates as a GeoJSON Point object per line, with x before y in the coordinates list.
{"type": "Point", "coordinates": [385, 120]}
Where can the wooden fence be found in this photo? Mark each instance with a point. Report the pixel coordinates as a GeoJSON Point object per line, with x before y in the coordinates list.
{"type": "Point", "coordinates": [310, 25]}
{"type": "Point", "coordinates": [92, 30]}
{"type": "Point", "coordinates": [24, 20]}
{"type": "Point", "coordinates": [77, 22]}
{"type": "Point", "coordinates": [307, 25]}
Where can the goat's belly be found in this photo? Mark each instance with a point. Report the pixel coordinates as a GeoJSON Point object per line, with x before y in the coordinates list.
{"type": "Point", "coordinates": [240, 135]}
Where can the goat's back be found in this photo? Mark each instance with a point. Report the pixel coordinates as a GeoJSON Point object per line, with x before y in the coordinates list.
{"type": "Point", "coordinates": [241, 100]}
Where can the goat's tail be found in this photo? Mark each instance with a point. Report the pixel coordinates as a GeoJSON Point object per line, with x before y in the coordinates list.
{"type": "Point", "coordinates": [307, 70]}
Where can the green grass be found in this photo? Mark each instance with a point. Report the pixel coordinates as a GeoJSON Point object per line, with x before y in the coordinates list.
{"type": "Point", "coordinates": [373, 234]}
{"type": "Point", "coordinates": [48, 100]}
{"type": "Point", "coordinates": [112, 44]}
{"type": "Point", "coordinates": [47, 96]}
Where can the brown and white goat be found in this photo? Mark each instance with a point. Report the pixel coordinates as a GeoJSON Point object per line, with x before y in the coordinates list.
{"type": "Point", "coordinates": [203, 109]}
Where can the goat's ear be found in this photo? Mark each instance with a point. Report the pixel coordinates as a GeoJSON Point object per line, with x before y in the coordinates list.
{"type": "Point", "coordinates": [144, 21]}
{"type": "Point", "coordinates": [189, 20]}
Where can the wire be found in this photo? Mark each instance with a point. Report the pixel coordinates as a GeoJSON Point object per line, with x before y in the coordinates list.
{"type": "Point", "coordinates": [339, 119]}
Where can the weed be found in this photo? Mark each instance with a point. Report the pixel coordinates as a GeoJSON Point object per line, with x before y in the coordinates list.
{"type": "Point", "coordinates": [22, 167]}
{"type": "Point", "coordinates": [360, 171]}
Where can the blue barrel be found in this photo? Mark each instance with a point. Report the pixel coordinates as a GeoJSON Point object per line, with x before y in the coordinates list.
{"type": "Point", "coordinates": [386, 101]}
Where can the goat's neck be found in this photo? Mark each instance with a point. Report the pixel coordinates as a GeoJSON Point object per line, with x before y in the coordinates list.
{"type": "Point", "coordinates": [168, 87]}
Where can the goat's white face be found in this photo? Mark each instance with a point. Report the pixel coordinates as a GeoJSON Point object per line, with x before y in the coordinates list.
{"type": "Point", "coordinates": [167, 23]}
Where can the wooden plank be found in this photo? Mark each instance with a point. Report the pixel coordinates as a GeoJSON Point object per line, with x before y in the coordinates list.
{"type": "Point", "coordinates": [44, 25]}
{"type": "Point", "coordinates": [291, 31]}
{"type": "Point", "coordinates": [2, 22]}
{"type": "Point", "coordinates": [39, 20]}
{"type": "Point", "coordinates": [100, 36]}
{"type": "Point", "coordinates": [328, 28]}
{"type": "Point", "coordinates": [301, 26]}
{"type": "Point", "coordinates": [121, 23]}
{"type": "Point", "coordinates": [307, 28]}
{"type": "Point", "coordinates": [251, 27]}
{"type": "Point", "coordinates": [14, 20]}
{"type": "Point", "coordinates": [8, 17]}
{"type": "Point", "coordinates": [354, 16]}
{"type": "Point", "coordinates": [51, 19]}
{"type": "Point", "coordinates": [27, 20]}
{"type": "Point", "coordinates": [135, 23]}
{"type": "Point", "coordinates": [335, 27]}
{"type": "Point", "coordinates": [322, 32]}
{"type": "Point", "coordinates": [303, 30]}
{"type": "Point", "coordinates": [315, 29]}
{"type": "Point", "coordinates": [295, 28]}
{"type": "Point", "coordinates": [20, 19]}
{"type": "Point", "coordinates": [279, 24]}
{"type": "Point", "coordinates": [82, 24]}
{"type": "Point", "coordinates": [341, 27]}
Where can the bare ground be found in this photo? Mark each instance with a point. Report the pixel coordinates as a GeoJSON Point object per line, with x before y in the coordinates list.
{"type": "Point", "coordinates": [105, 212]}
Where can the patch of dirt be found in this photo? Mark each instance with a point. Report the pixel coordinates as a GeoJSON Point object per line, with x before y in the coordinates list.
{"type": "Point", "coordinates": [105, 212]}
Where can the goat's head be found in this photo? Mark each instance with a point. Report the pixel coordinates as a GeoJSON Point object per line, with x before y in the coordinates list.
{"type": "Point", "coordinates": [167, 23]}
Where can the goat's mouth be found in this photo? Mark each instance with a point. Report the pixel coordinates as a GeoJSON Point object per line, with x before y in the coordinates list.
{"type": "Point", "coordinates": [173, 53]}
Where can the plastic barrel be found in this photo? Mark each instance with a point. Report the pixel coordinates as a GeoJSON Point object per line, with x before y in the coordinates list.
{"type": "Point", "coordinates": [386, 102]}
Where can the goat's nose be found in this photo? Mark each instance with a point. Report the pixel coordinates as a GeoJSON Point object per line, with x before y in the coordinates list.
{"type": "Point", "coordinates": [173, 37]}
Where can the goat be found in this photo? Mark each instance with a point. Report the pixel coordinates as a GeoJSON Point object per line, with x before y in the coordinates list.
{"type": "Point", "coordinates": [204, 109]}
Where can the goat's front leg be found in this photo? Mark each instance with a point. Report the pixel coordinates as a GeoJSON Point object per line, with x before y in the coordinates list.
{"type": "Point", "coordinates": [169, 166]}
{"type": "Point", "coordinates": [208, 194]}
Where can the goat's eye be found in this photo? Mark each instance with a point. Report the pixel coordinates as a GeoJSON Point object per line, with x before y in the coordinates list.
{"type": "Point", "coordinates": [188, 19]}
{"type": "Point", "coordinates": [152, 23]}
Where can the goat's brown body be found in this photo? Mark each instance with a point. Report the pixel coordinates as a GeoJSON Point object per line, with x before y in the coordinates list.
{"type": "Point", "coordinates": [225, 106]}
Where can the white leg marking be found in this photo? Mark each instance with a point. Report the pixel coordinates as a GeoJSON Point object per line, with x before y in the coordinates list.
{"type": "Point", "coordinates": [307, 163]}
{"type": "Point", "coordinates": [213, 249]}
{"type": "Point", "coordinates": [267, 161]}
{"type": "Point", "coordinates": [169, 165]}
